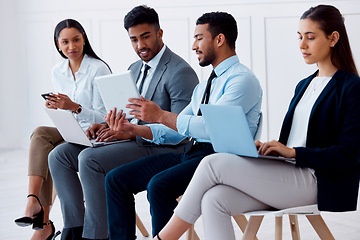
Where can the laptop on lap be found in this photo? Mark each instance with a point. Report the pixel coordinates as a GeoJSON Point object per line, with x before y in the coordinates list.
{"type": "Point", "coordinates": [71, 130]}
{"type": "Point", "coordinates": [229, 131]}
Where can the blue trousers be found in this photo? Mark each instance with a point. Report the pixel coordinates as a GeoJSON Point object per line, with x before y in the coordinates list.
{"type": "Point", "coordinates": [164, 176]}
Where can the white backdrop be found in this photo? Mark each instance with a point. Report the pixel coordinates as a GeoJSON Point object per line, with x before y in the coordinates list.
{"type": "Point", "coordinates": [267, 43]}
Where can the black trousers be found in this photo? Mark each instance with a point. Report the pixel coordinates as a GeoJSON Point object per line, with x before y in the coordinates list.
{"type": "Point", "coordinates": [164, 176]}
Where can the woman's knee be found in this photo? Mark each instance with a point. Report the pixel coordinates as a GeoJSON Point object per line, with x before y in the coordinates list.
{"type": "Point", "coordinates": [42, 131]}
{"type": "Point", "coordinates": [213, 160]}
{"type": "Point", "coordinates": [213, 198]}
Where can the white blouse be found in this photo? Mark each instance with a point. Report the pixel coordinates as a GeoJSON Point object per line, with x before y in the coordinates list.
{"type": "Point", "coordinates": [83, 89]}
{"type": "Point", "coordinates": [300, 122]}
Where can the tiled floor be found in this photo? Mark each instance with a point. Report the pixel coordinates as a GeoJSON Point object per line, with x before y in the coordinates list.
{"type": "Point", "coordinates": [13, 189]}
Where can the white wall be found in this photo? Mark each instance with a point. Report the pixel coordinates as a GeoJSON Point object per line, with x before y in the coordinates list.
{"type": "Point", "coordinates": [10, 88]}
{"type": "Point", "coordinates": [267, 44]}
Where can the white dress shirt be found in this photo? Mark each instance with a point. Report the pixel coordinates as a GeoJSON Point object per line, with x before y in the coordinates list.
{"type": "Point", "coordinates": [82, 89]}
{"type": "Point", "coordinates": [299, 126]}
{"type": "Point", "coordinates": [153, 63]}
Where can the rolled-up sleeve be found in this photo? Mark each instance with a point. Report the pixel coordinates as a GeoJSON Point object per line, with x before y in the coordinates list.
{"type": "Point", "coordinates": [164, 135]}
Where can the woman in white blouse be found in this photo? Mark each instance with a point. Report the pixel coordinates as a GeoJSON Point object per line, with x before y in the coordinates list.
{"type": "Point", "coordinates": [76, 91]}
{"type": "Point", "coordinates": [320, 130]}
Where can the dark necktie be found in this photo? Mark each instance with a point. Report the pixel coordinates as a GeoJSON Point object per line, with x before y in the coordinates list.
{"type": "Point", "coordinates": [147, 67]}
{"type": "Point", "coordinates": [205, 99]}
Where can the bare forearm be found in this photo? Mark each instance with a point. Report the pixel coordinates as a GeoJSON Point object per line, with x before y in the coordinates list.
{"type": "Point", "coordinates": [143, 131]}
{"type": "Point", "coordinates": [168, 119]}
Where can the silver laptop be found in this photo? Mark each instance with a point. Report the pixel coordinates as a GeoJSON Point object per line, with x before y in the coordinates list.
{"type": "Point", "coordinates": [116, 89]}
{"type": "Point", "coordinates": [71, 130]}
{"type": "Point", "coordinates": [229, 131]}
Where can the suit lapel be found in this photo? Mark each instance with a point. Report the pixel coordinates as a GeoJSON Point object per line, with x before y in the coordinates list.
{"type": "Point", "coordinates": [159, 71]}
{"type": "Point", "coordinates": [286, 127]}
{"type": "Point", "coordinates": [136, 70]}
{"type": "Point", "coordinates": [300, 94]}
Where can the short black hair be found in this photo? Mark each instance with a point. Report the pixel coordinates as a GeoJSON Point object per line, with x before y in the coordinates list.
{"type": "Point", "coordinates": [141, 14]}
{"type": "Point", "coordinates": [221, 22]}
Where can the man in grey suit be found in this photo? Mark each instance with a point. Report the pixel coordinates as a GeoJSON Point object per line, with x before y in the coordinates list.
{"type": "Point", "coordinates": [163, 77]}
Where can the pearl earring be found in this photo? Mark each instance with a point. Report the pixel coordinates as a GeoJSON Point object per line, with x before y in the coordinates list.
{"type": "Point", "coordinates": [59, 49]}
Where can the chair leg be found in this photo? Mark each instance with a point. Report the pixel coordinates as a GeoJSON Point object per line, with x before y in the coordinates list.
{"type": "Point", "coordinates": [191, 234]}
{"type": "Point", "coordinates": [278, 227]}
{"type": "Point", "coordinates": [294, 227]}
{"type": "Point", "coordinates": [320, 227]}
{"type": "Point", "coordinates": [252, 227]}
{"type": "Point", "coordinates": [242, 223]}
{"type": "Point", "coordinates": [53, 196]}
{"type": "Point", "coordinates": [141, 227]}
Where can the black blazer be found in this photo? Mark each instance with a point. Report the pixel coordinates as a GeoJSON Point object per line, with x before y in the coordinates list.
{"type": "Point", "coordinates": [333, 140]}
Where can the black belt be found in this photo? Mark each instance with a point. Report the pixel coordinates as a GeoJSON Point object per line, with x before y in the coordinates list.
{"type": "Point", "coordinates": [201, 144]}
{"type": "Point", "coordinates": [196, 145]}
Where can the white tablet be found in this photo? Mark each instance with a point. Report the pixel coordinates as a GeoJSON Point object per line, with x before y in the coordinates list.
{"type": "Point", "coordinates": [116, 89]}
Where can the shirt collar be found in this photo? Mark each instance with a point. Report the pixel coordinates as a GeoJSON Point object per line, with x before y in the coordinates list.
{"type": "Point", "coordinates": [85, 62]}
{"type": "Point", "coordinates": [226, 64]}
{"type": "Point", "coordinates": [155, 60]}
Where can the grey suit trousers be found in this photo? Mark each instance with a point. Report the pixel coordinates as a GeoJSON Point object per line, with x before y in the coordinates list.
{"type": "Point", "coordinates": [92, 164]}
{"type": "Point", "coordinates": [226, 185]}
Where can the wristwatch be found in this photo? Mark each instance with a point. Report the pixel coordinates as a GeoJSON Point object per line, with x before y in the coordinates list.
{"type": "Point", "coordinates": [78, 110]}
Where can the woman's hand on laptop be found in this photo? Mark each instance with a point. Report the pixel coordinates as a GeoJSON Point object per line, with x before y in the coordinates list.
{"type": "Point", "coordinates": [108, 135]}
{"type": "Point", "coordinates": [275, 148]}
{"type": "Point", "coordinates": [94, 130]}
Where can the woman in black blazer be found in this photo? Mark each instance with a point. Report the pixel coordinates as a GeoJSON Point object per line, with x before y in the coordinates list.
{"type": "Point", "coordinates": [321, 130]}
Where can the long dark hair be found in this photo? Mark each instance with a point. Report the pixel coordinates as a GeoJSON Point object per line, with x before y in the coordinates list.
{"type": "Point", "coordinates": [71, 23]}
{"type": "Point", "coordinates": [330, 19]}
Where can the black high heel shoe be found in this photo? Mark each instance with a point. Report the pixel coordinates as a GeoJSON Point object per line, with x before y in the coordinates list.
{"type": "Point", "coordinates": [36, 221]}
{"type": "Point", "coordinates": [52, 235]}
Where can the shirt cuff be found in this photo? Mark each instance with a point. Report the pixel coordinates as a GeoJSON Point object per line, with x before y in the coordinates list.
{"type": "Point", "coordinates": [164, 135]}
{"type": "Point", "coordinates": [182, 124]}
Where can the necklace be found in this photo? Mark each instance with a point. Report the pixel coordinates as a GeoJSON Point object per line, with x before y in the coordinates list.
{"type": "Point", "coordinates": [316, 83]}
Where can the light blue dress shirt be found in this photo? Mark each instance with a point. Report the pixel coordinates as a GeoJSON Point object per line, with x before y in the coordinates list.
{"type": "Point", "coordinates": [235, 84]}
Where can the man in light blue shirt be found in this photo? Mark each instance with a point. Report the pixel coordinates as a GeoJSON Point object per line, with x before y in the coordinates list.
{"type": "Point", "coordinates": [166, 176]}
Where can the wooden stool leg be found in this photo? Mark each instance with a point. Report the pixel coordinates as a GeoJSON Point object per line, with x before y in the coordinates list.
{"type": "Point", "coordinates": [195, 236]}
{"type": "Point", "coordinates": [278, 227]}
{"type": "Point", "coordinates": [53, 196]}
{"type": "Point", "coordinates": [191, 234]}
{"type": "Point", "coordinates": [320, 227]}
{"type": "Point", "coordinates": [252, 227]}
{"type": "Point", "coordinates": [242, 223]}
{"type": "Point", "coordinates": [141, 227]}
{"type": "Point", "coordinates": [294, 227]}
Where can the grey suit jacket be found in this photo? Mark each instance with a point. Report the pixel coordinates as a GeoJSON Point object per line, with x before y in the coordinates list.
{"type": "Point", "coordinates": [172, 84]}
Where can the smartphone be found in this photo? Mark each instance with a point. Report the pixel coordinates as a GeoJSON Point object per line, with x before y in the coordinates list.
{"type": "Point", "coordinates": [45, 95]}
